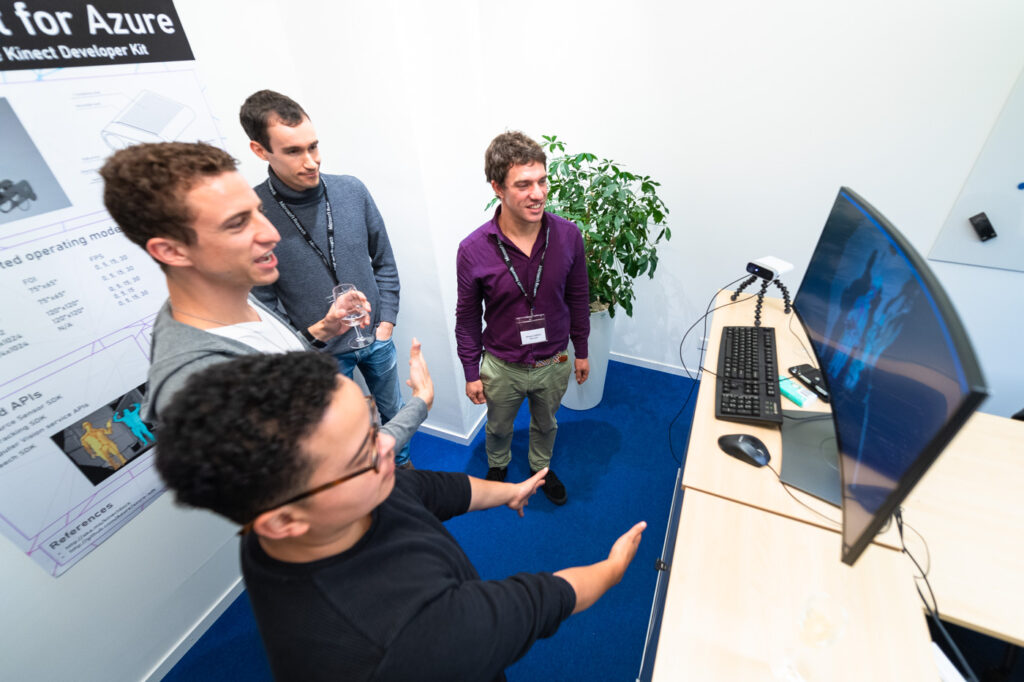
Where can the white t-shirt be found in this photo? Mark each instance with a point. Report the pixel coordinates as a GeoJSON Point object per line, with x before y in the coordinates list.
{"type": "Point", "coordinates": [267, 336]}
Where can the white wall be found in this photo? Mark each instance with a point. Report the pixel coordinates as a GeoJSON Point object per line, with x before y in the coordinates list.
{"type": "Point", "coordinates": [751, 114]}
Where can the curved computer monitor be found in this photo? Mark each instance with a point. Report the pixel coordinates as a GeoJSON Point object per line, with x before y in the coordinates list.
{"type": "Point", "coordinates": [898, 365]}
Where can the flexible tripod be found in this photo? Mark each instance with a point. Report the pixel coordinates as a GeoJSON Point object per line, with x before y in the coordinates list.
{"type": "Point", "coordinates": [760, 295]}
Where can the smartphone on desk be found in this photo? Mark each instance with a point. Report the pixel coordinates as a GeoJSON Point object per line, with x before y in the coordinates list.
{"type": "Point", "coordinates": [810, 377]}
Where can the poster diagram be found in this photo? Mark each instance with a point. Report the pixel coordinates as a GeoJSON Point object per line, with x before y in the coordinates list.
{"type": "Point", "coordinates": [27, 185]}
{"type": "Point", "coordinates": [76, 461]}
{"type": "Point", "coordinates": [99, 449]}
{"type": "Point", "coordinates": [149, 117]}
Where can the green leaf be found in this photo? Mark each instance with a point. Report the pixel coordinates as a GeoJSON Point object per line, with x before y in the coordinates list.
{"type": "Point", "coordinates": [614, 210]}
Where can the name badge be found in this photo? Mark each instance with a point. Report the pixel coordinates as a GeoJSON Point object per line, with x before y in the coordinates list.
{"type": "Point", "coordinates": [531, 329]}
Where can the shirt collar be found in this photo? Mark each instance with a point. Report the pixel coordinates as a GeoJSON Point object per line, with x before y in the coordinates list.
{"type": "Point", "coordinates": [290, 196]}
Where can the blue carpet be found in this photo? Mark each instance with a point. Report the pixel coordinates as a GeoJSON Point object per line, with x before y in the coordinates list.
{"type": "Point", "coordinates": [617, 467]}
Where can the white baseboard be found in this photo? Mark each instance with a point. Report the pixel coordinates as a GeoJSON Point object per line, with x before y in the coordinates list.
{"type": "Point", "coordinates": [198, 630]}
{"type": "Point", "coordinates": [651, 364]}
{"type": "Point", "coordinates": [461, 439]}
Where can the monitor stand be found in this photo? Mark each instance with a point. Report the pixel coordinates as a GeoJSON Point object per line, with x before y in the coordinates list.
{"type": "Point", "coordinates": [810, 458]}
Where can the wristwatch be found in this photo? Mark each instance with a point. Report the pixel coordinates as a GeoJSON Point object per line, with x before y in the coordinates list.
{"type": "Point", "coordinates": [313, 341]}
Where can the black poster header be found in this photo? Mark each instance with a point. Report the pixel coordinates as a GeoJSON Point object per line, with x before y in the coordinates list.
{"type": "Point", "coordinates": [48, 34]}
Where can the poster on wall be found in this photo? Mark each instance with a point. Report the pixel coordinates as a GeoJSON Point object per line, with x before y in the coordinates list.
{"type": "Point", "coordinates": [77, 82]}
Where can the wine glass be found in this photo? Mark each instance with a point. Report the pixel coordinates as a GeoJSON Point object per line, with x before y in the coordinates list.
{"type": "Point", "coordinates": [354, 317]}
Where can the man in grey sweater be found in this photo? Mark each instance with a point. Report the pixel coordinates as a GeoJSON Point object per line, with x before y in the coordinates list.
{"type": "Point", "coordinates": [331, 233]}
{"type": "Point", "coordinates": [188, 207]}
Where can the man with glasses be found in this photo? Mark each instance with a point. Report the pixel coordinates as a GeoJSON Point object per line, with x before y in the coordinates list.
{"type": "Point", "coordinates": [350, 572]}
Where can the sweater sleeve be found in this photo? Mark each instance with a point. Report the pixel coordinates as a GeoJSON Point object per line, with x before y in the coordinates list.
{"type": "Point", "coordinates": [405, 422]}
{"type": "Point", "coordinates": [385, 271]}
{"type": "Point", "coordinates": [475, 631]}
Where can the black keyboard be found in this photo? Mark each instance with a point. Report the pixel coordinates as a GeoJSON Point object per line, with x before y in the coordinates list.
{"type": "Point", "coordinates": [748, 376]}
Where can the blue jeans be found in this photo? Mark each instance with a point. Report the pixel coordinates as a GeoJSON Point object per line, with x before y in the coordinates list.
{"type": "Point", "coordinates": [378, 363]}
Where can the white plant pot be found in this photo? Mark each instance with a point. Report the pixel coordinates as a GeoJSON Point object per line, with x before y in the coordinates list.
{"type": "Point", "coordinates": [588, 395]}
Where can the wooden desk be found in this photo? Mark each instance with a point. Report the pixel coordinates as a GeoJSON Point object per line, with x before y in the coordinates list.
{"type": "Point", "coordinates": [710, 470]}
{"type": "Point", "coordinates": [968, 506]}
{"type": "Point", "coordinates": [969, 509]}
{"type": "Point", "coordinates": [742, 583]}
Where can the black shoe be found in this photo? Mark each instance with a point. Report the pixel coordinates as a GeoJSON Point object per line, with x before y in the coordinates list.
{"type": "Point", "coordinates": [497, 473]}
{"type": "Point", "coordinates": [554, 489]}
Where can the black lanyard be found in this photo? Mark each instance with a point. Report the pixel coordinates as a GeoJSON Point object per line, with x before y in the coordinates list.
{"type": "Point", "coordinates": [331, 265]}
{"type": "Point", "coordinates": [515, 276]}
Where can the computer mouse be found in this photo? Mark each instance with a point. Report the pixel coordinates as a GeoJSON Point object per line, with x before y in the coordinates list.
{"type": "Point", "coordinates": [745, 447]}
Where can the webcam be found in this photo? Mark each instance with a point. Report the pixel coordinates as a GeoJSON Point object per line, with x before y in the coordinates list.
{"type": "Point", "coordinates": [768, 268]}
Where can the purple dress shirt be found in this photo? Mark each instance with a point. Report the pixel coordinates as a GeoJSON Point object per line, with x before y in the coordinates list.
{"type": "Point", "coordinates": [486, 286]}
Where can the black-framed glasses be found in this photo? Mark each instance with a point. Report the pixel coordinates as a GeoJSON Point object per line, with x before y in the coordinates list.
{"type": "Point", "coordinates": [370, 443]}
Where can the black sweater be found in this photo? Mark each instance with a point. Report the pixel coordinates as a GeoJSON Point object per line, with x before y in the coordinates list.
{"type": "Point", "coordinates": [404, 603]}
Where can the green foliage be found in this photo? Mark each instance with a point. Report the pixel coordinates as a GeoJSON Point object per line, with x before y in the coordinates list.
{"type": "Point", "coordinates": [619, 214]}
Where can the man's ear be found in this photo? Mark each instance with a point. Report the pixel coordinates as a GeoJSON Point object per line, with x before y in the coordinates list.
{"type": "Point", "coordinates": [258, 149]}
{"type": "Point", "coordinates": [284, 522]}
{"type": "Point", "coordinates": [497, 189]}
{"type": "Point", "coordinates": [168, 251]}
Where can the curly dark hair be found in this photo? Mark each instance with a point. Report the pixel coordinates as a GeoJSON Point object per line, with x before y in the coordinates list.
{"type": "Point", "coordinates": [259, 107]}
{"type": "Point", "coordinates": [510, 149]}
{"type": "Point", "coordinates": [144, 187]}
{"type": "Point", "coordinates": [230, 440]}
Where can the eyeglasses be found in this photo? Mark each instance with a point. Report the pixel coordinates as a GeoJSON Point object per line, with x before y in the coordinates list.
{"type": "Point", "coordinates": [369, 444]}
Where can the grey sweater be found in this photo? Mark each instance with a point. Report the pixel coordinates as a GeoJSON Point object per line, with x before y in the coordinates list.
{"type": "Point", "coordinates": [179, 350]}
{"type": "Point", "coordinates": [362, 253]}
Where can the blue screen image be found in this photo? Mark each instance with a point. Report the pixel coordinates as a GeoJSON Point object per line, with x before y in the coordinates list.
{"type": "Point", "coordinates": [884, 344]}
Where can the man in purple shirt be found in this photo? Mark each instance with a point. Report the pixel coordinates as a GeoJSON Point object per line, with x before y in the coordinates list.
{"type": "Point", "coordinates": [525, 272]}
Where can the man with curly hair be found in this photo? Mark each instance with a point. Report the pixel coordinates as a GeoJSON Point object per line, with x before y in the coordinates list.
{"type": "Point", "coordinates": [349, 569]}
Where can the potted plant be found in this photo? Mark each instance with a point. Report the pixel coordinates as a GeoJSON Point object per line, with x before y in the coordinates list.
{"type": "Point", "coordinates": [622, 219]}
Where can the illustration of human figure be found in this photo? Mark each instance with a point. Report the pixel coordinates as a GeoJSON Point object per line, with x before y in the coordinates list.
{"type": "Point", "coordinates": [131, 419]}
{"type": "Point", "coordinates": [97, 443]}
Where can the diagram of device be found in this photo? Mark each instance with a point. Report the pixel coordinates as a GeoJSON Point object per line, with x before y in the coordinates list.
{"type": "Point", "coordinates": [147, 118]}
{"type": "Point", "coordinates": [15, 194]}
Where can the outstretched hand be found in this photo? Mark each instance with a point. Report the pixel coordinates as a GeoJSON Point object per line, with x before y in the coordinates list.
{"type": "Point", "coordinates": [419, 376]}
{"type": "Point", "coordinates": [525, 490]}
{"type": "Point", "coordinates": [624, 549]}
